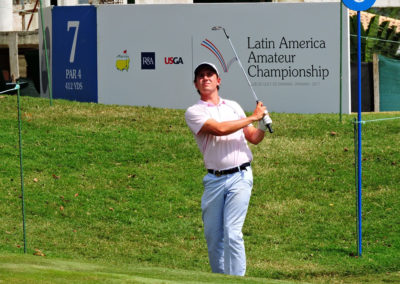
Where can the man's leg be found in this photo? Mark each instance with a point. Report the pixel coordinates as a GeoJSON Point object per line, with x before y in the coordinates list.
{"type": "Point", "coordinates": [212, 205]}
{"type": "Point", "coordinates": [236, 204]}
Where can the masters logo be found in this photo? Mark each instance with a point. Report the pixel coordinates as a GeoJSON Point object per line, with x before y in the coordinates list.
{"type": "Point", "coordinates": [122, 61]}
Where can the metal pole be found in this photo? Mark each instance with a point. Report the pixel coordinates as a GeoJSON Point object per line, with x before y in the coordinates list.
{"type": "Point", "coordinates": [21, 165]}
{"type": "Point", "coordinates": [356, 174]}
{"type": "Point", "coordinates": [341, 55]}
{"type": "Point", "coordinates": [359, 138]}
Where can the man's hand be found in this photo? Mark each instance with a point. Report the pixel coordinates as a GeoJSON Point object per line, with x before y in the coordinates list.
{"type": "Point", "coordinates": [259, 112]}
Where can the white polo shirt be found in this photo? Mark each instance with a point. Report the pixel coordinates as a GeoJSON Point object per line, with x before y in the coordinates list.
{"type": "Point", "coordinates": [219, 152]}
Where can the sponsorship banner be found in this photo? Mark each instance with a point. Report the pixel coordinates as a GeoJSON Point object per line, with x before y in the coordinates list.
{"type": "Point", "coordinates": [75, 53]}
{"type": "Point", "coordinates": [44, 78]}
{"type": "Point", "coordinates": [291, 53]}
{"type": "Point", "coordinates": [144, 55]}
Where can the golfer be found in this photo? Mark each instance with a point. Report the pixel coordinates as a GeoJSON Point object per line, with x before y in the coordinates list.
{"type": "Point", "coordinates": [222, 130]}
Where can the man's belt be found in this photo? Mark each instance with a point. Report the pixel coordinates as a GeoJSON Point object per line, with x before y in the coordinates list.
{"type": "Point", "coordinates": [229, 171]}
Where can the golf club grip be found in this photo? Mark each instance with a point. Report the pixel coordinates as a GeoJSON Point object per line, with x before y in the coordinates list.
{"type": "Point", "coordinates": [268, 122]}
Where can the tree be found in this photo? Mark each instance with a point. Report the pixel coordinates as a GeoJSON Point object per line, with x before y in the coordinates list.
{"type": "Point", "coordinates": [378, 38]}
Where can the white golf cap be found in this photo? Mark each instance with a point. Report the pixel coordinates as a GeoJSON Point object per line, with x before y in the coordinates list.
{"type": "Point", "coordinates": [205, 64]}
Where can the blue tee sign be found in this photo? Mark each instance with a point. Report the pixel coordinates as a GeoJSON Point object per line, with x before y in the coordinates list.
{"type": "Point", "coordinates": [75, 53]}
{"type": "Point", "coordinates": [358, 5]}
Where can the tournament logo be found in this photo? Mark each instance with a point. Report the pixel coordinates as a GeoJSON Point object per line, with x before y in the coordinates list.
{"type": "Point", "coordinates": [148, 60]}
{"type": "Point", "coordinates": [173, 60]}
{"type": "Point", "coordinates": [122, 61]}
{"type": "Point", "coordinates": [214, 50]}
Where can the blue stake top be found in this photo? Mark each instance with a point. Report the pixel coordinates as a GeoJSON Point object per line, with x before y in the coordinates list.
{"type": "Point", "coordinates": [358, 5]}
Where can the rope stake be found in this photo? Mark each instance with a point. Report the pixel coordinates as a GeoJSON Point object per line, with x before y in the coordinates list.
{"type": "Point", "coordinates": [21, 164]}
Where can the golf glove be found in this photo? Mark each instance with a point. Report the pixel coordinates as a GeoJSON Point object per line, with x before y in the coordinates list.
{"type": "Point", "coordinates": [261, 125]}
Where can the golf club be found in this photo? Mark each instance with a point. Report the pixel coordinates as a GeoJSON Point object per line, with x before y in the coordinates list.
{"type": "Point", "coordinates": [266, 119]}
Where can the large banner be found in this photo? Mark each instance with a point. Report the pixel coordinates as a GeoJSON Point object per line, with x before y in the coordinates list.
{"type": "Point", "coordinates": [291, 53]}
{"type": "Point", "coordinates": [146, 54]}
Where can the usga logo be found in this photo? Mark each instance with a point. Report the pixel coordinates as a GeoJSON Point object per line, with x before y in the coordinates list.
{"type": "Point", "coordinates": [173, 60]}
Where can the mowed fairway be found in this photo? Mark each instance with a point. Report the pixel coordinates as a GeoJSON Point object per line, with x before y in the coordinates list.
{"type": "Point", "coordinates": [112, 193]}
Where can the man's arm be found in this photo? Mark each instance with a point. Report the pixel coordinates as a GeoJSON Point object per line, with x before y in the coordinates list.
{"type": "Point", "coordinates": [216, 128]}
{"type": "Point", "coordinates": [253, 135]}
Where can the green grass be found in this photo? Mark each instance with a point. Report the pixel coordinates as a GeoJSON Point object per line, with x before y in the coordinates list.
{"type": "Point", "coordinates": [119, 187]}
{"type": "Point", "coordinates": [28, 269]}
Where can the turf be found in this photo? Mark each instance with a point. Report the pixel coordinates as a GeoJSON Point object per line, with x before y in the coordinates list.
{"type": "Point", "coordinates": [121, 186]}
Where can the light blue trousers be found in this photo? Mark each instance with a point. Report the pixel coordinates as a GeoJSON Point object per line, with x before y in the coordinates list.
{"type": "Point", "coordinates": [224, 205]}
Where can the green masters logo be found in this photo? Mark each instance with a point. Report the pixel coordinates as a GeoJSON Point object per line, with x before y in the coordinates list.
{"type": "Point", "coordinates": [122, 61]}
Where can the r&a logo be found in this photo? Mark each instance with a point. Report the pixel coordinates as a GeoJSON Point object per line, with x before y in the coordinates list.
{"type": "Point", "coordinates": [149, 60]}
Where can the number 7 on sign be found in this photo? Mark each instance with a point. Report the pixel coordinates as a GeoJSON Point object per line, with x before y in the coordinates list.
{"type": "Point", "coordinates": [73, 24]}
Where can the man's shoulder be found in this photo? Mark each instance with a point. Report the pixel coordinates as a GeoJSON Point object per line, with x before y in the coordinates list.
{"type": "Point", "coordinates": [232, 103]}
{"type": "Point", "coordinates": [195, 109]}
{"type": "Point", "coordinates": [196, 106]}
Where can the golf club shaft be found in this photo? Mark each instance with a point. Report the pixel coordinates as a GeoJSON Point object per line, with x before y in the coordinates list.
{"type": "Point", "coordinates": [266, 119]}
{"type": "Point", "coordinates": [244, 72]}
